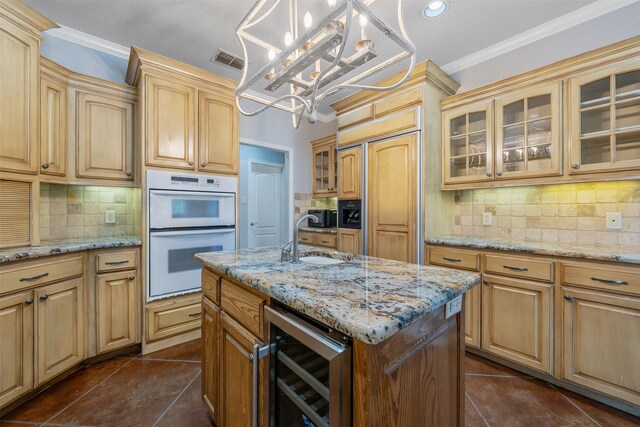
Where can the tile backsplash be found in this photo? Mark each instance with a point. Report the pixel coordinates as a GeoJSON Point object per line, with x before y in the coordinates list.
{"type": "Point", "coordinates": [75, 211]}
{"type": "Point", "coordinates": [305, 201]}
{"type": "Point", "coordinates": [566, 213]}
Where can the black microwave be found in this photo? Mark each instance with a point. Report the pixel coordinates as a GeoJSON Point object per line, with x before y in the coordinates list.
{"type": "Point", "coordinates": [349, 214]}
{"type": "Point", "coordinates": [326, 218]}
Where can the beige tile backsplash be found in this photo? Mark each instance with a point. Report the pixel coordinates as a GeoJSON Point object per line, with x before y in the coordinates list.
{"type": "Point", "coordinates": [74, 211]}
{"type": "Point", "coordinates": [305, 201]}
{"type": "Point", "coordinates": [567, 213]}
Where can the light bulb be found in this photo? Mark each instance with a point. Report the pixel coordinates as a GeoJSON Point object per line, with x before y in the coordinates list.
{"type": "Point", "coordinates": [271, 54]}
{"type": "Point", "coordinates": [308, 21]}
{"type": "Point", "coordinates": [435, 5]}
{"type": "Point", "coordinates": [332, 3]}
{"type": "Point", "coordinates": [363, 20]}
{"type": "Point", "coordinates": [288, 39]}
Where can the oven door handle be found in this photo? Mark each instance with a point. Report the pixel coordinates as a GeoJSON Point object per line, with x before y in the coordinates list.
{"type": "Point", "coordinates": [205, 195]}
{"type": "Point", "coordinates": [192, 232]}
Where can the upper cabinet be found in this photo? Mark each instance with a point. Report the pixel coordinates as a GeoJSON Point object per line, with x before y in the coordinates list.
{"type": "Point", "coordinates": [605, 119]}
{"type": "Point", "coordinates": [576, 120]}
{"type": "Point", "coordinates": [324, 167]}
{"type": "Point", "coordinates": [350, 173]}
{"type": "Point", "coordinates": [20, 38]}
{"type": "Point", "coordinates": [54, 104]}
{"type": "Point", "coordinates": [189, 116]}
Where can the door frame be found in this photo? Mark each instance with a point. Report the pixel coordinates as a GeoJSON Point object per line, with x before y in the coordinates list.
{"type": "Point", "coordinates": [287, 179]}
{"type": "Point", "coordinates": [283, 220]}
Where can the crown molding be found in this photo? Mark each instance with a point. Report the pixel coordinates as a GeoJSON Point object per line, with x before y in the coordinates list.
{"type": "Point", "coordinates": [87, 40]}
{"type": "Point", "coordinates": [564, 22]}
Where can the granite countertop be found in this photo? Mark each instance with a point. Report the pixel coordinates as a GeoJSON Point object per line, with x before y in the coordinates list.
{"type": "Point", "coordinates": [56, 247]}
{"type": "Point", "coordinates": [330, 230]}
{"type": "Point", "coordinates": [625, 254]}
{"type": "Point", "coordinates": [367, 298]}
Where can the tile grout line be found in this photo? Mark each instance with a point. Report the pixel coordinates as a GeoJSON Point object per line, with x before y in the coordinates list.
{"type": "Point", "coordinates": [574, 404]}
{"type": "Point", "coordinates": [477, 409]}
{"type": "Point", "coordinates": [86, 393]}
{"type": "Point", "coordinates": [176, 399]}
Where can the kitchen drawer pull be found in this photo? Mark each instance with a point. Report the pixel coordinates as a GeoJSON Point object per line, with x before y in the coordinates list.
{"type": "Point", "coordinates": [324, 241]}
{"type": "Point", "coordinates": [29, 301]}
{"type": "Point", "coordinates": [124, 261]}
{"type": "Point", "coordinates": [30, 278]}
{"type": "Point", "coordinates": [132, 277]}
{"type": "Point", "coordinates": [44, 297]}
{"type": "Point", "coordinates": [451, 259]}
{"type": "Point", "coordinates": [258, 353]}
{"type": "Point", "coordinates": [195, 314]}
{"type": "Point", "coordinates": [610, 282]}
{"type": "Point", "coordinates": [568, 298]}
{"type": "Point", "coordinates": [515, 268]}
{"type": "Point", "coordinates": [486, 282]}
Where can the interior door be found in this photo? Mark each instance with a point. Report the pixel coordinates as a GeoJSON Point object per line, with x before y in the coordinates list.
{"type": "Point", "coordinates": [265, 205]}
{"type": "Point", "coordinates": [392, 198]}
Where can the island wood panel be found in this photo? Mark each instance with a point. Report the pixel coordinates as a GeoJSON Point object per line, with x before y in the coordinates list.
{"type": "Point", "coordinates": [217, 134]}
{"type": "Point", "coordinates": [350, 173]}
{"type": "Point", "coordinates": [392, 176]}
{"type": "Point", "coordinates": [210, 352]}
{"type": "Point", "coordinates": [414, 378]}
{"type": "Point", "coordinates": [16, 342]}
{"type": "Point", "coordinates": [244, 306]}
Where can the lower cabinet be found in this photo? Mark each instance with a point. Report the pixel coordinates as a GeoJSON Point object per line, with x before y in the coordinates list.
{"type": "Point", "coordinates": [16, 345]}
{"type": "Point", "coordinates": [349, 240]}
{"type": "Point", "coordinates": [175, 316]}
{"type": "Point", "coordinates": [210, 383]}
{"type": "Point", "coordinates": [516, 320]}
{"type": "Point", "coordinates": [326, 240]}
{"type": "Point", "coordinates": [59, 328]}
{"type": "Point", "coordinates": [601, 340]}
{"type": "Point", "coordinates": [116, 302]}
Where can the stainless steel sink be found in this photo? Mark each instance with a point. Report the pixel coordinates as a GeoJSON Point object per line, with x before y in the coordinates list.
{"type": "Point", "coordinates": [320, 260]}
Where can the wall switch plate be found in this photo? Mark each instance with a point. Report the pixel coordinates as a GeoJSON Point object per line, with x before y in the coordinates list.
{"type": "Point", "coordinates": [486, 218]}
{"type": "Point", "coordinates": [454, 306]}
{"type": "Point", "coordinates": [109, 217]}
{"type": "Point", "coordinates": [614, 221]}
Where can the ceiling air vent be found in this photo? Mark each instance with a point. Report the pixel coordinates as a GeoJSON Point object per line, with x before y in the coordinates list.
{"type": "Point", "coordinates": [228, 60]}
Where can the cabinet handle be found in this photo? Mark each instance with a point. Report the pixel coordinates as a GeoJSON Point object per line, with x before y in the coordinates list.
{"type": "Point", "coordinates": [575, 166]}
{"type": "Point", "coordinates": [44, 297]}
{"type": "Point", "coordinates": [45, 166]}
{"type": "Point", "coordinates": [324, 241]}
{"type": "Point", "coordinates": [610, 282]}
{"type": "Point", "coordinates": [258, 353]}
{"type": "Point", "coordinates": [30, 278]}
{"type": "Point", "coordinates": [29, 301]}
{"type": "Point", "coordinates": [499, 173]}
{"type": "Point", "coordinates": [486, 282]}
{"type": "Point", "coordinates": [509, 267]}
{"type": "Point", "coordinates": [489, 174]}
{"type": "Point", "coordinates": [124, 261]}
{"type": "Point", "coordinates": [190, 162]}
{"type": "Point", "coordinates": [568, 298]}
{"type": "Point", "coordinates": [132, 277]}
{"type": "Point", "coordinates": [203, 164]}
{"type": "Point", "coordinates": [451, 259]}
{"type": "Point", "coordinates": [129, 173]}
{"type": "Point", "coordinates": [192, 314]}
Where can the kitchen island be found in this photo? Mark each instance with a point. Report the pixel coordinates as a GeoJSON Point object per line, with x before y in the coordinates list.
{"type": "Point", "coordinates": [406, 347]}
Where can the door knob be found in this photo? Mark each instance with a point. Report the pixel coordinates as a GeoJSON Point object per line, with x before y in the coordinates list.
{"type": "Point", "coordinates": [45, 166]}
{"type": "Point", "coordinates": [44, 297]}
{"type": "Point", "coordinates": [129, 174]}
{"type": "Point", "coordinates": [190, 162]}
{"type": "Point", "coordinates": [253, 223]}
{"type": "Point", "coordinates": [203, 164]}
{"type": "Point", "coordinates": [131, 277]}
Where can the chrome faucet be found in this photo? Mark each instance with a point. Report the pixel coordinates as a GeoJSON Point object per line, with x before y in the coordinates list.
{"type": "Point", "coordinates": [295, 254]}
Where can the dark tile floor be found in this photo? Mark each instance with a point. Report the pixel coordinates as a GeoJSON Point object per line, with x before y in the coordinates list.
{"type": "Point", "coordinates": [163, 389]}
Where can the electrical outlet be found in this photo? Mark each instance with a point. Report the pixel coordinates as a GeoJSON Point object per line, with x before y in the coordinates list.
{"type": "Point", "coordinates": [614, 221]}
{"type": "Point", "coordinates": [454, 306]}
{"type": "Point", "coordinates": [486, 218]}
{"type": "Point", "coordinates": [109, 217]}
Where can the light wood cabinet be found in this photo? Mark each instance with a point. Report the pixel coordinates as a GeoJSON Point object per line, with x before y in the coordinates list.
{"type": "Point", "coordinates": [350, 240]}
{"type": "Point", "coordinates": [170, 123]}
{"type": "Point", "coordinates": [392, 204]}
{"type": "Point", "coordinates": [210, 346]}
{"type": "Point", "coordinates": [472, 317]}
{"type": "Point", "coordinates": [324, 167]}
{"type": "Point", "coordinates": [602, 342]}
{"type": "Point", "coordinates": [350, 174]}
{"type": "Point", "coordinates": [16, 342]}
{"type": "Point", "coordinates": [516, 321]}
{"type": "Point", "coordinates": [326, 240]}
{"type": "Point", "coordinates": [104, 137]}
{"type": "Point", "coordinates": [217, 134]}
{"type": "Point", "coordinates": [59, 328]}
{"type": "Point", "coordinates": [116, 302]}
{"type": "Point", "coordinates": [605, 119]}
{"type": "Point", "coordinates": [53, 126]}
{"type": "Point", "coordinates": [175, 316]}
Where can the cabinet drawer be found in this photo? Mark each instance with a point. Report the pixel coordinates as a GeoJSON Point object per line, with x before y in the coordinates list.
{"type": "Point", "coordinates": [40, 272]}
{"type": "Point", "coordinates": [173, 318]}
{"type": "Point", "coordinates": [306, 238]}
{"type": "Point", "coordinates": [454, 258]}
{"type": "Point", "coordinates": [326, 240]}
{"type": "Point", "coordinates": [210, 284]}
{"type": "Point", "coordinates": [114, 261]}
{"type": "Point", "coordinates": [611, 278]}
{"type": "Point", "coordinates": [356, 116]}
{"type": "Point", "coordinates": [242, 305]}
{"type": "Point", "coordinates": [518, 267]}
{"type": "Point", "coordinates": [398, 101]}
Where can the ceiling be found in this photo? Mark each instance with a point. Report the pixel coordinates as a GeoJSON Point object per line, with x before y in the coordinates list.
{"type": "Point", "coordinates": [192, 30]}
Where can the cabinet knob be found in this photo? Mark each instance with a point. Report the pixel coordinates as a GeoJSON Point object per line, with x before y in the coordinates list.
{"type": "Point", "coordinates": [203, 164]}
{"type": "Point", "coordinates": [575, 166]}
{"type": "Point", "coordinates": [486, 282]}
{"type": "Point", "coordinates": [499, 173]}
{"type": "Point", "coordinates": [129, 173]}
{"type": "Point", "coordinates": [489, 174]}
{"type": "Point", "coordinates": [29, 301]}
{"type": "Point", "coordinates": [45, 166]}
{"type": "Point", "coordinates": [131, 277]}
{"type": "Point", "coordinates": [190, 162]}
{"type": "Point", "coordinates": [568, 298]}
{"type": "Point", "coordinates": [44, 297]}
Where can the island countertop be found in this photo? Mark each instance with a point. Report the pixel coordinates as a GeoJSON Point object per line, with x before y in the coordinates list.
{"type": "Point", "coordinates": [368, 298]}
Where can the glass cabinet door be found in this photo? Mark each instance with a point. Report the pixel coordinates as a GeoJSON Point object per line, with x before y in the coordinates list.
{"type": "Point", "coordinates": [605, 119]}
{"type": "Point", "coordinates": [468, 144]}
{"type": "Point", "coordinates": [325, 170]}
{"type": "Point", "coordinates": [528, 133]}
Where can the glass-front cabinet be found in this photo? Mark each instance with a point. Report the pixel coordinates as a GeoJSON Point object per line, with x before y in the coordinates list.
{"type": "Point", "coordinates": [605, 120]}
{"type": "Point", "coordinates": [528, 133]}
{"type": "Point", "coordinates": [325, 168]}
{"type": "Point", "coordinates": [468, 144]}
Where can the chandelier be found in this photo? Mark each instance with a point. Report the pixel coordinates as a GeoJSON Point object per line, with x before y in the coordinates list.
{"type": "Point", "coordinates": [315, 60]}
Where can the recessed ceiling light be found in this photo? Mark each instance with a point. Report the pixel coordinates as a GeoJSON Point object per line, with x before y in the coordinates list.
{"type": "Point", "coordinates": [435, 8]}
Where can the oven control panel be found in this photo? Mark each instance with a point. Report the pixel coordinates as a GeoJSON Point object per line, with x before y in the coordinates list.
{"type": "Point", "coordinates": [185, 181]}
{"type": "Point", "coordinates": [182, 181]}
